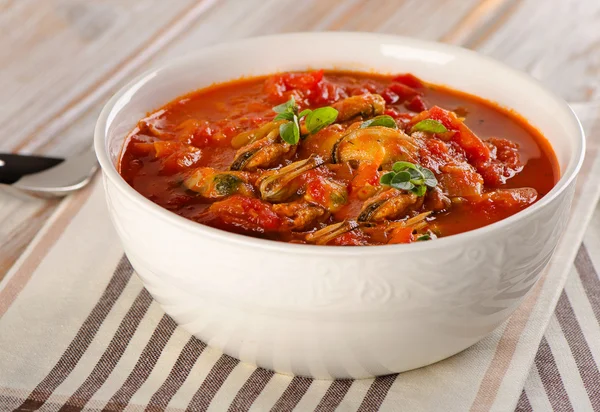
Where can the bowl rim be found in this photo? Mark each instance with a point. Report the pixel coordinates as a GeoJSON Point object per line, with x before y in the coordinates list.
{"type": "Point", "coordinates": [110, 171]}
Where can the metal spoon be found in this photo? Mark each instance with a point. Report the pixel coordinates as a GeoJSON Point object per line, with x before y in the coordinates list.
{"type": "Point", "coordinates": [48, 177]}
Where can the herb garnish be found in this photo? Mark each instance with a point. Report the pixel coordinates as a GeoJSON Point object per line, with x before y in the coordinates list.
{"type": "Point", "coordinates": [315, 120]}
{"type": "Point", "coordinates": [319, 118]}
{"type": "Point", "coordinates": [429, 125]}
{"type": "Point", "coordinates": [383, 120]}
{"type": "Point", "coordinates": [409, 176]}
{"type": "Point", "coordinates": [290, 131]}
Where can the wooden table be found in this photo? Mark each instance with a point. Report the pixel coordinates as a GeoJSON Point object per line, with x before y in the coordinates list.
{"type": "Point", "coordinates": [62, 59]}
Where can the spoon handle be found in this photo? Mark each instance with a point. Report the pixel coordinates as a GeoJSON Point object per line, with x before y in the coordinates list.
{"type": "Point", "coordinates": [15, 166]}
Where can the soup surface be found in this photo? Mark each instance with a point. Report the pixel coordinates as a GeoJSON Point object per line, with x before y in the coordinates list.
{"type": "Point", "coordinates": [338, 158]}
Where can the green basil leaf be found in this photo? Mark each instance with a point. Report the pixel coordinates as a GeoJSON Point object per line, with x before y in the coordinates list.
{"type": "Point", "coordinates": [285, 107]}
{"type": "Point", "coordinates": [386, 179]}
{"type": "Point", "coordinates": [419, 190]}
{"type": "Point", "coordinates": [399, 166]}
{"type": "Point", "coordinates": [431, 182]}
{"type": "Point", "coordinates": [383, 120]}
{"type": "Point", "coordinates": [304, 113]}
{"type": "Point", "coordinates": [319, 118]}
{"type": "Point", "coordinates": [425, 172]}
{"type": "Point", "coordinates": [401, 177]}
{"type": "Point", "coordinates": [289, 132]}
{"type": "Point", "coordinates": [403, 186]}
{"type": "Point", "coordinates": [415, 174]}
{"type": "Point", "coordinates": [429, 177]}
{"type": "Point", "coordinates": [285, 116]}
{"type": "Point", "coordinates": [424, 237]}
{"type": "Point", "coordinates": [410, 176]}
{"type": "Point", "coordinates": [430, 126]}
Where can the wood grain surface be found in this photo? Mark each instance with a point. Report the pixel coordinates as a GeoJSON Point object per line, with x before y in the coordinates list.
{"type": "Point", "coordinates": [60, 60]}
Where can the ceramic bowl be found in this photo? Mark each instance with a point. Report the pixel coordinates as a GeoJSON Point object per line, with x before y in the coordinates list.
{"type": "Point", "coordinates": [338, 312]}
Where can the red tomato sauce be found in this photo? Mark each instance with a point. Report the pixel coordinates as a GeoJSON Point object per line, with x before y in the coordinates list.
{"type": "Point", "coordinates": [215, 156]}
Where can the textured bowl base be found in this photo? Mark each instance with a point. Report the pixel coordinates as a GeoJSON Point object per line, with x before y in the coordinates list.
{"type": "Point", "coordinates": [297, 347]}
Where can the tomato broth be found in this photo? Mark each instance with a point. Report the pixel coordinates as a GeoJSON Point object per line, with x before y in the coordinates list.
{"type": "Point", "coordinates": [338, 158]}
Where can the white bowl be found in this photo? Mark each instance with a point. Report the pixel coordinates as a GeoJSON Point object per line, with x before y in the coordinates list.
{"type": "Point", "coordinates": [338, 312]}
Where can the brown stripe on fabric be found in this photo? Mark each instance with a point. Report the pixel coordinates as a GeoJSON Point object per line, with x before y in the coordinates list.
{"type": "Point", "coordinates": [19, 279]}
{"type": "Point", "coordinates": [144, 365]}
{"type": "Point", "coordinates": [56, 400]}
{"type": "Point", "coordinates": [334, 395]}
{"type": "Point", "coordinates": [179, 373]}
{"type": "Point", "coordinates": [112, 354]}
{"type": "Point", "coordinates": [588, 369]}
{"type": "Point", "coordinates": [589, 278]}
{"type": "Point", "coordinates": [292, 394]}
{"type": "Point", "coordinates": [250, 390]}
{"type": "Point", "coordinates": [551, 379]}
{"type": "Point", "coordinates": [490, 383]}
{"type": "Point", "coordinates": [83, 338]}
{"type": "Point", "coordinates": [523, 405]}
{"type": "Point", "coordinates": [212, 383]}
{"type": "Point", "coordinates": [377, 393]}
{"type": "Point", "coordinates": [8, 402]}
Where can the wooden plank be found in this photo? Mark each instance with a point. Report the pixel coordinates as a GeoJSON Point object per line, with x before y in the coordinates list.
{"type": "Point", "coordinates": [232, 20]}
{"type": "Point", "coordinates": [557, 41]}
{"type": "Point", "coordinates": [55, 54]}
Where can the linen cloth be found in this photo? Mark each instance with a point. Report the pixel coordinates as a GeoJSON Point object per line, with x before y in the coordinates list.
{"type": "Point", "coordinates": [79, 332]}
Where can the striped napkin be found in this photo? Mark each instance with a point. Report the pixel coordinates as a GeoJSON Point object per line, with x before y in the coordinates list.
{"type": "Point", "coordinates": [565, 375]}
{"type": "Point", "coordinates": [79, 332]}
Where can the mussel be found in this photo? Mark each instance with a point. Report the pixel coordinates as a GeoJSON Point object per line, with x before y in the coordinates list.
{"type": "Point", "coordinates": [278, 185]}
{"type": "Point", "coordinates": [388, 205]}
{"type": "Point", "coordinates": [213, 184]}
{"type": "Point", "coordinates": [263, 153]}
{"type": "Point", "coordinates": [510, 198]}
{"type": "Point", "coordinates": [328, 233]}
{"type": "Point", "coordinates": [300, 213]}
{"type": "Point", "coordinates": [332, 195]}
{"type": "Point", "coordinates": [365, 105]}
{"type": "Point", "coordinates": [416, 223]}
{"type": "Point", "coordinates": [251, 136]}
{"type": "Point", "coordinates": [376, 145]}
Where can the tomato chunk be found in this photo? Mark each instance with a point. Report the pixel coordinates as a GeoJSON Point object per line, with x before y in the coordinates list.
{"type": "Point", "coordinates": [308, 89]}
{"type": "Point", "coordinates": [416, 104]}
{"type": "Point", "coordinates": [409, 80]}
{"type": "Point", "coordinates": [195, 132]}
{"type": "Point", "coordinates": [504, 164]}
{"type": "Point", "coordinates": [398, 92]}
{"type": "Point", "coordinates": [475, 149]}
{"type": "Point", "coordinates": [176, 156]}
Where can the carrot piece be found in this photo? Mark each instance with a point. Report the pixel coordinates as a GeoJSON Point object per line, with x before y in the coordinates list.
{"type": "Point", "coordinates": [402, 235]}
